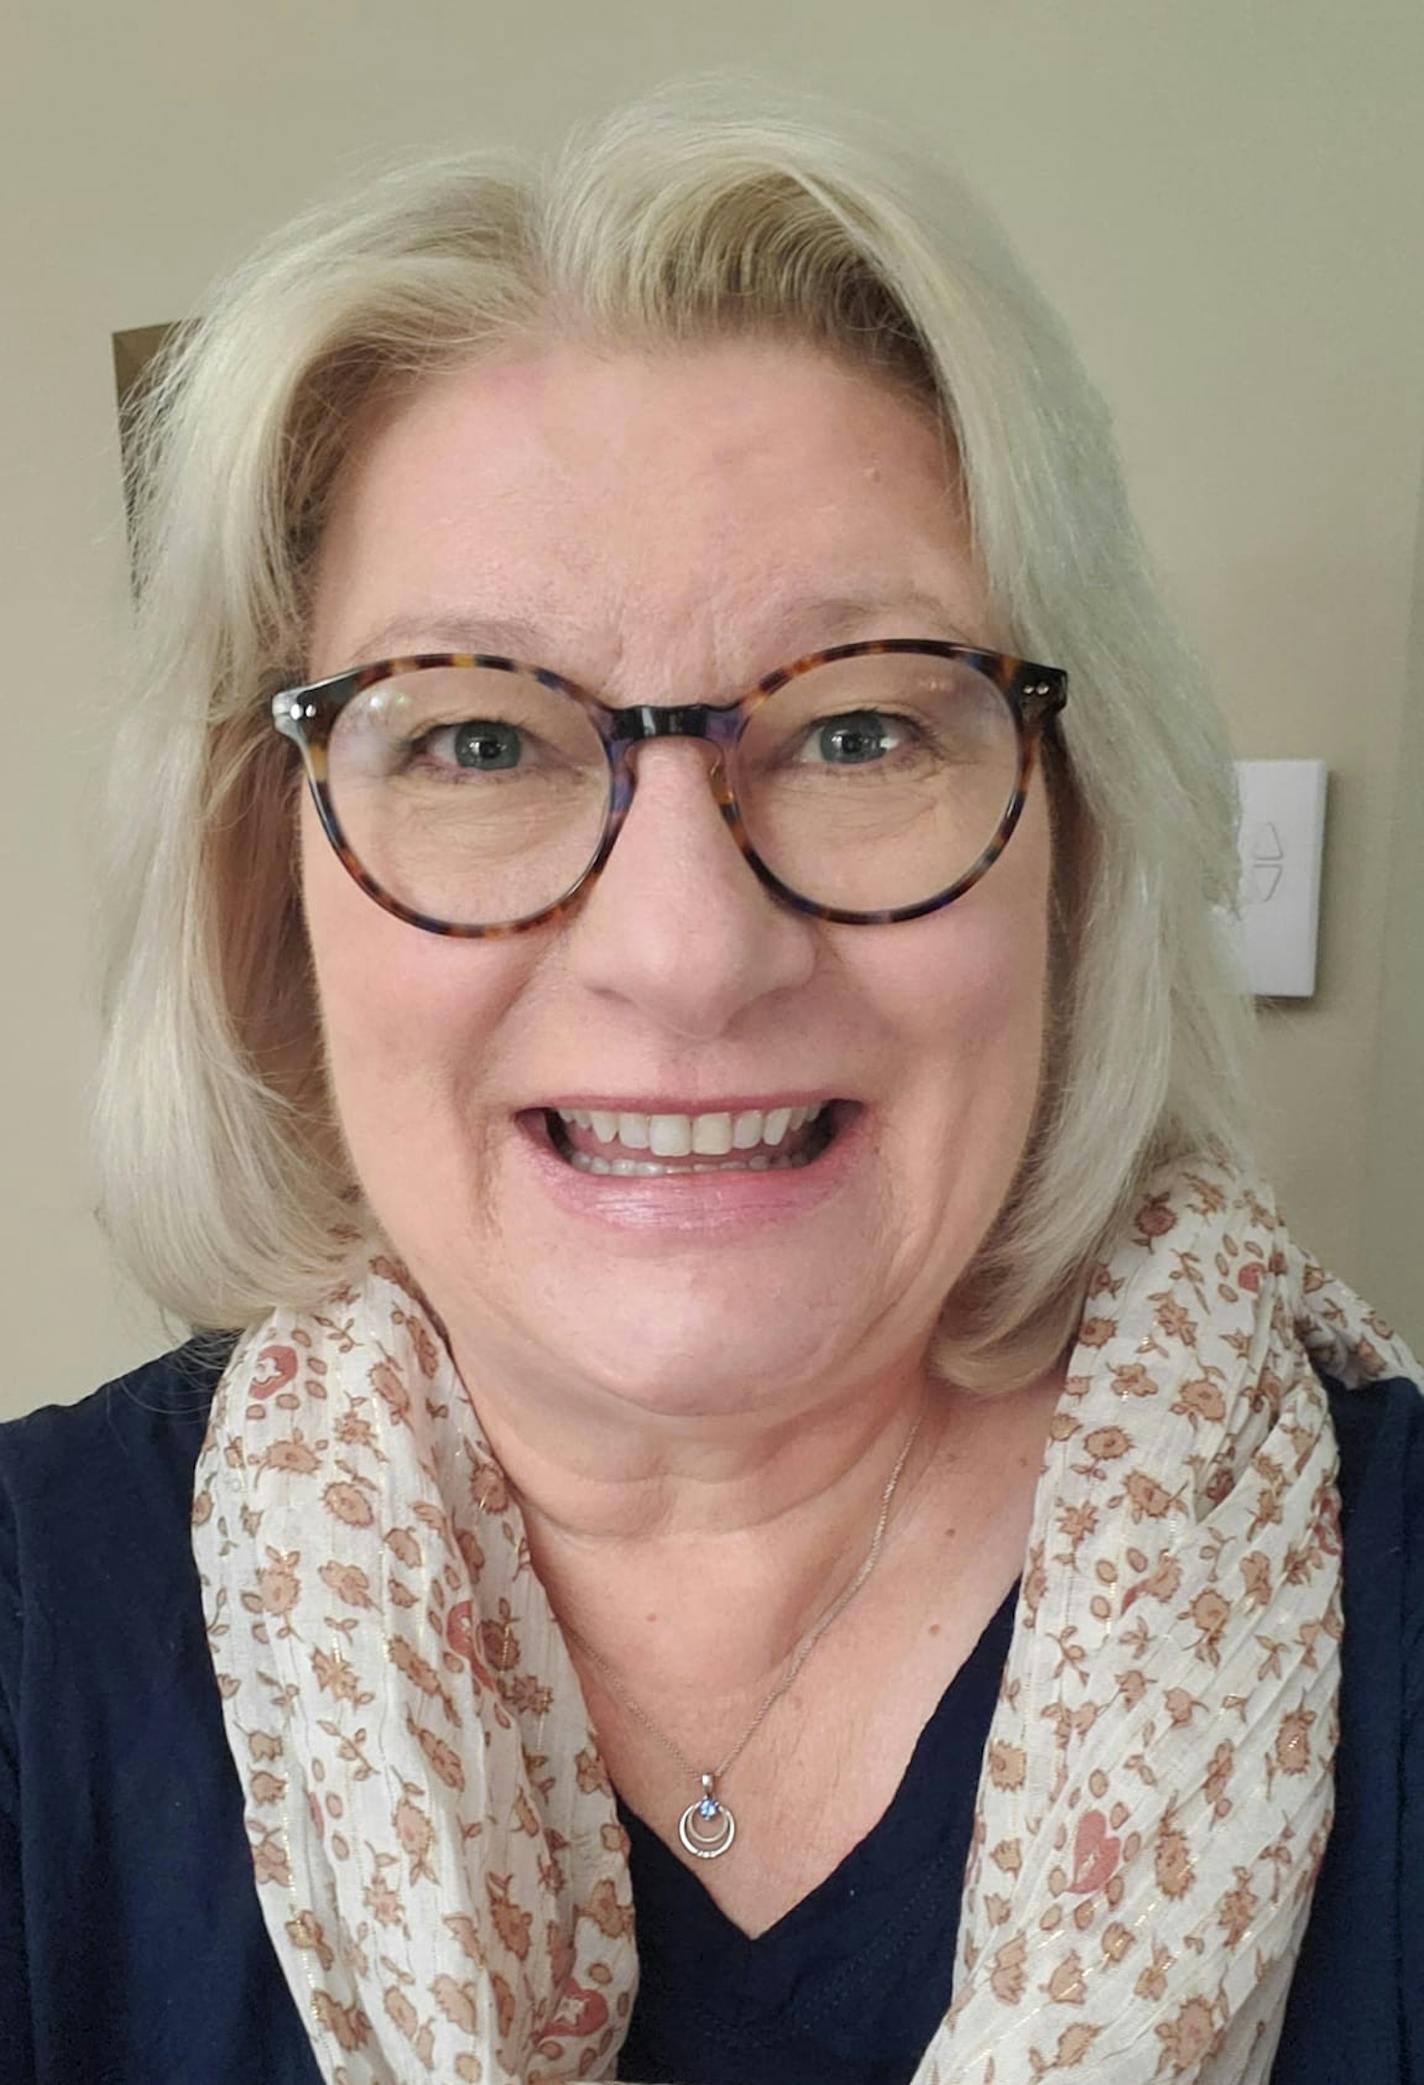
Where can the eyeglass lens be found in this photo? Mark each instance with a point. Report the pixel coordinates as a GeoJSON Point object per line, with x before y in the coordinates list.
{"type": "Point", "coordinates": [479, 797]}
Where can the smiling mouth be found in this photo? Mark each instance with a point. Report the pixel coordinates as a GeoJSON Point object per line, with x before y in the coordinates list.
{"type": "Point", "coordinates": [585, 1145]}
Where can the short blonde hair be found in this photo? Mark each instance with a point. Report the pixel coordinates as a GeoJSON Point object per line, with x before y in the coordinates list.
{"type": "Point", "coordinates": [226, 1185]}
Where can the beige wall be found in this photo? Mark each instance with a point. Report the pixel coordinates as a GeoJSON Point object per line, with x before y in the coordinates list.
{"type": "Point", "coordinates": [1394, 1169]}
{"type": "Point", "coordinates": [1225, 201]}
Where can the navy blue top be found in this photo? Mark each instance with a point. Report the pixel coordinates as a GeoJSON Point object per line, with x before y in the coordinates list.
{"type": "Point", "coordinates": [132, 1945]}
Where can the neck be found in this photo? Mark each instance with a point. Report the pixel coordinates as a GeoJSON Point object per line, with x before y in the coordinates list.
{"type": "Point", "coordinates": [725, 1533]}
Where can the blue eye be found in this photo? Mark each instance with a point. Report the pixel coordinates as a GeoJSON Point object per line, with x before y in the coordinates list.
{"type": "Point", "coordinates": [485, 744]}
{"type": "Point", "coordinates": [859, 737]}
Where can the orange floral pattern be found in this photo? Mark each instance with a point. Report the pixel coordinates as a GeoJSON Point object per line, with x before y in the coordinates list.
{"type": "Point", "coordinates": [1158, 1779]}
{"type": "Point", "coordinates": [434, 1837]}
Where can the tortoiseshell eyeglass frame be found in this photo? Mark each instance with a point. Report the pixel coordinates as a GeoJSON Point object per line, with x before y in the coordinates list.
{"type": "Point", "coordinates": [1034, 695]}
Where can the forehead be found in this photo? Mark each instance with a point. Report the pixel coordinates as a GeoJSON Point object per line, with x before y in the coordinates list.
{"type": "Point", "coordinates": [701, 511]}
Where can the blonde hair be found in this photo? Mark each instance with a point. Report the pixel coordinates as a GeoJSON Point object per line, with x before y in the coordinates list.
{"type": "Point", "coordinates": [226, 1186]}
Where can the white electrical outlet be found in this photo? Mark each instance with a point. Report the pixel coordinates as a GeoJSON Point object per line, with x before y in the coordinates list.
{"type": "Point", "coordinates": [1281, 840]}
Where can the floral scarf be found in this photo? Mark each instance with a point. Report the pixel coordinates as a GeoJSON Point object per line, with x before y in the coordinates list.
{"type": "Point", "coordinates": [437, 1851]}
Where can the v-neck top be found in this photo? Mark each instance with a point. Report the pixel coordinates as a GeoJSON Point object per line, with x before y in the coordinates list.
{"type": "Point", "coordinates": [849, 1986]}
{"type": "Point", "coordinates": [133, 1948]}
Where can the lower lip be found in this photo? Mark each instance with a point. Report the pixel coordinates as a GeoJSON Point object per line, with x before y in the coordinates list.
{"type": "Point", "coordinates": [726, 1202]}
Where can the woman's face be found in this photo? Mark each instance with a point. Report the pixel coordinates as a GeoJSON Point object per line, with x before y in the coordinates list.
{"type": "Point", "coordinates": [661, 529]}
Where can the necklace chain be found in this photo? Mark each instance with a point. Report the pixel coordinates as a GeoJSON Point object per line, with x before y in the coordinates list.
{"type": "Point", "coordinates": [798, 1657]}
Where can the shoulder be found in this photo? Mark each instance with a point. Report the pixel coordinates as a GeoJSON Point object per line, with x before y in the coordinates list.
{"type": "Point", "coordinates": [1377, 1419]}
{"type": "Point", "coordinates": [97, 1581]}
{"type": "Point", "coordinates": [1365, 1936]}
{"type": "Point", "coordinates": [128, 1919]}
{"type": "Point", "coordinates": [1379, 1431]}
{"type": "Point", "coordinates": [160, 1404]}
{"type": "Point", "coordinates": [83, 1486]}
{"type": "Point", "coordinates": [1380, 1434]}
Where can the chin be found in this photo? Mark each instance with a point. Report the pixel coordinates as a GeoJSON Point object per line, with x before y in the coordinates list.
{"type": "Point", "coordinates": [672, 1376]}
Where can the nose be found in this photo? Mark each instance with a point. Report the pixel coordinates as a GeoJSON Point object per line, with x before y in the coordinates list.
{"type": "Point", "coordinates": [678, 923]}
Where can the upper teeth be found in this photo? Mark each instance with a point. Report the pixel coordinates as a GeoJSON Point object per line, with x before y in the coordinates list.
{"type": "Point", "coordinates": [677, 1136]}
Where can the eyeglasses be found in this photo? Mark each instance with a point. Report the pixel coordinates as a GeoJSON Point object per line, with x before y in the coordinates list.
{"type": "Point", "coordinates": [866, 783]}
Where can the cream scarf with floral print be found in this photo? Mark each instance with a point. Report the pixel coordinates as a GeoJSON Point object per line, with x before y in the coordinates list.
{"type": "Point", "coordinates": [437, 1851]}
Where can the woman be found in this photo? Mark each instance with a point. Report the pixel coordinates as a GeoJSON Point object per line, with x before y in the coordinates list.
{"type": "Point", "coordinates": [766, 1393]}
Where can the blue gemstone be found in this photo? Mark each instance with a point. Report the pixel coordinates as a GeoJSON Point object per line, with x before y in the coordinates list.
{"type": "Point", "coordinates": [708, 1808]}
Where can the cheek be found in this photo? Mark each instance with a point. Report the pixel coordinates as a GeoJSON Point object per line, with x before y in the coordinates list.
{"type": "Point", "coordinates": [970, 982]}
{"type": "Point", "coordinates": [407, 1016]}
{"type": "Point", "coordinates": [969, 991]}
{"type": "Point", "coordinates": [975, 1005]}
{"type": "Point", "coordinates": [987, 998]}
{"type": "Point", "coordinates": [981, 1033]}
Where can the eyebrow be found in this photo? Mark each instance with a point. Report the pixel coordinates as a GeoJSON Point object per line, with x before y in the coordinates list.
{"type": "Point", "coordinates": [806, 625]}
{"type": "Point", "coordinates": [457, 630]}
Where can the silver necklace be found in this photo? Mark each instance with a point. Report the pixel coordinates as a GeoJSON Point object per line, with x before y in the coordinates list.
{"type": "Point", "coordinates": [707, 1827]}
